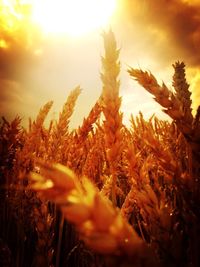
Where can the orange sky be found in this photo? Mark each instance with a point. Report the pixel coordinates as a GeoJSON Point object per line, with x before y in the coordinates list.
{"type": "Point", "coordinates": [151, 35]}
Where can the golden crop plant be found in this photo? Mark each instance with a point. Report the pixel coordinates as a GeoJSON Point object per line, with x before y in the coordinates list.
{"type": "Point", "coordinates": [104, 194]}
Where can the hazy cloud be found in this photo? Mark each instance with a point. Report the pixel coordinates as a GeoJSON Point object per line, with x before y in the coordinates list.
{"type": "Point", "coordinates": [152, 34]}
{"type": "Point", "coordinates": [177, 22]}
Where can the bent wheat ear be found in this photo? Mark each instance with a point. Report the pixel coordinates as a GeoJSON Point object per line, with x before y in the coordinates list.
{"type": "Point", "coordinates": [177, 106]}
{"type": "Point", "coordinates": [161, 93]}
{"type": "Point", "coordinates": [104, 231]}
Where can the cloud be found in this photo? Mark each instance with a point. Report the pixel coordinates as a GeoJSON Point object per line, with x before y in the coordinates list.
{"type": "Point", "coordinates": [10, 95]}
{"type": "Point", "coordinates": [152, 35]}
{"type": "Point", "coordinates": [172, 26]}
{"type": "Point", "coordinates": [16, 58]}
{"type": "Point", "coordinates": [157, 33]}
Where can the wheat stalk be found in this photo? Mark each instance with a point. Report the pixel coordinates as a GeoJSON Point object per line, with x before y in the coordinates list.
{"type": "Point", "coordinates": [111, 106]}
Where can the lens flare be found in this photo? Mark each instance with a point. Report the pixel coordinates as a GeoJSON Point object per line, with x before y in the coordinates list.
{"type": "Point", "coordinates": [3, 44]}
{"type": "Point", "coordinates": [72, 17]}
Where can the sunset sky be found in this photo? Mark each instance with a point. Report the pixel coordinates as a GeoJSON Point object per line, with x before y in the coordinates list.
{"type": "Point", "coordinates": [37, 66]}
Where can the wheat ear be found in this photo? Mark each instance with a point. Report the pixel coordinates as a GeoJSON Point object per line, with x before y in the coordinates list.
{"type": "Point", "coordinates": [105, 231]}
{"type": "Point", "coordinates": [111, 105]}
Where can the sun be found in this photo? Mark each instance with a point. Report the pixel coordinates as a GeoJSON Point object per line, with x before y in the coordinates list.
{"type": "Point", "coordinates": [72, 17]}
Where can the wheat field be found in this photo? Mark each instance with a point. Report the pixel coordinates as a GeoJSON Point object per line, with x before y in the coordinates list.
{"type": "Point", "coordinates": [103, 194]}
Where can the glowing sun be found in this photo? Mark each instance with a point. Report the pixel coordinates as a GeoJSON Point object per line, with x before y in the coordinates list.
{"type": "Point", "coordinates": [72, 17]}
